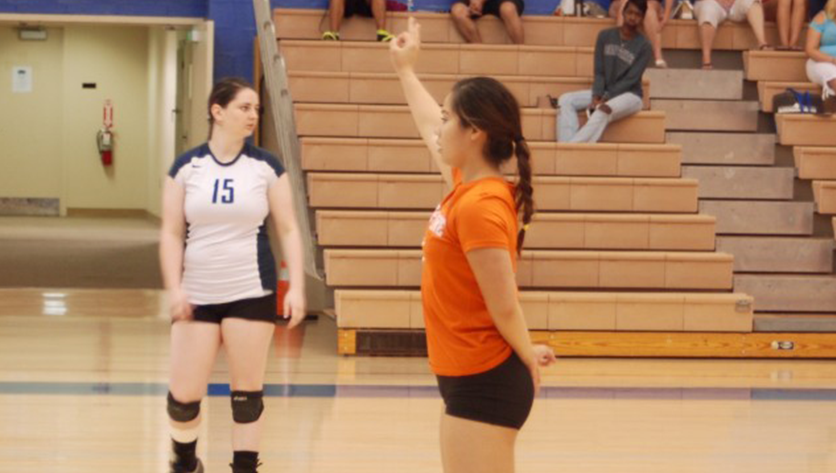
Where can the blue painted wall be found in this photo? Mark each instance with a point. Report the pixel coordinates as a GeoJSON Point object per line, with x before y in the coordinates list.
{"type": "Point", "coordinates": [234, 20]}
{"type": "Point", "coordinates": [107, 7]}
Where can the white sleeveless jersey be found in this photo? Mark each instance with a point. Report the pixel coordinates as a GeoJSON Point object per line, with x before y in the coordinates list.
{"type": "Point", "coordinates": [227, 256]}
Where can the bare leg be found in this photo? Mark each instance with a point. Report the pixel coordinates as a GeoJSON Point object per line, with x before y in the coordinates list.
{"type": "Point", "coordinates": [194, 346]}
{"type": "Point", "coordinates": [707, 32]}
{"type": "Point", "coordinates": [465, 24]}
{"type": "Point", "coordinates": [782, 17]}
{"type": "Point", "coordinates": [651, 28]}
{"type": "Point", "coordinates": [513, 23]}
{"type": "Point", "coordinates": [337, 11]}
{"type": "Point", "coordinates": [475, 447]}
{"type": "Point", "coordinates": [247, 345]}
{"type": "Point", "coordinates": [379, 13]}
{"type": "Point", "coordinates": [799, 14]}
{"type": "Point", "coordinates": [755, 17]}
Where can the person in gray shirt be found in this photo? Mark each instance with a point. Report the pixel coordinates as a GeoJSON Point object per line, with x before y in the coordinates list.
{"type": "Point", "coordinates": [621, 57]}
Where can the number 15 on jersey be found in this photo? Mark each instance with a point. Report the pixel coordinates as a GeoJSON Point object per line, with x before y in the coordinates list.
{"type": "Point", "coordinates": [224, 186]}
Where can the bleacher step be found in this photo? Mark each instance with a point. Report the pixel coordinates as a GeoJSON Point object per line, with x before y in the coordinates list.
{"type": "Point", "coordinates": [695, 84]}
{"type": "Point", "coordinates": [736, 182]}
{"type": "Point", "coordinates": [708, 115]}
{"type": "Point", "coordinates": [789, 293]}
{"type": "Point", "coordinates": [795, 323]}
{"type": "Point", "coordinates": [778, 254]}
{"type": "Point", "coordinates": [741, 217]}
{"type": "Point", "coordinates": [736, 149]}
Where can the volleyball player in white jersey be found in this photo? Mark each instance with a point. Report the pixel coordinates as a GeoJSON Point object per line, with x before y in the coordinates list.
{"type": "Point", "coordinates": [219, 271]}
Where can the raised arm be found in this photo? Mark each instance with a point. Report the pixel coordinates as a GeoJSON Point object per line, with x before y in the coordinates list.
{"type": "Point", "coordinates": [425, 110]}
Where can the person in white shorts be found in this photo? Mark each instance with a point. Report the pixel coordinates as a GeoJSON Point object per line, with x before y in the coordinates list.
{"type": "Point", "coordinates": [821, 49]}
{"type": "Point", "coordinates": [711, 13]}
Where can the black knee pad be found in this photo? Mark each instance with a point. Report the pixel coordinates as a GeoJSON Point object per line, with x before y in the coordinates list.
{"type": "Point", "coordinates": [182, 411]}
{"type": "Point", "coordinates": [247, 406]}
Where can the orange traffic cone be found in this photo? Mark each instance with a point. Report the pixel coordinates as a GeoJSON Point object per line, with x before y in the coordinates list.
{"type": "Point", "coordinates": [282, 287]}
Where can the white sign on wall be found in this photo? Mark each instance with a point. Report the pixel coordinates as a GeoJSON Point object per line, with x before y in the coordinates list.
{"type": "Point", "coordinates": [22, 79]}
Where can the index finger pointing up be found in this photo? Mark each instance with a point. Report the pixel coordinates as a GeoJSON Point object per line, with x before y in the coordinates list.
{"type": "Point", "coordinates": [414, 29]}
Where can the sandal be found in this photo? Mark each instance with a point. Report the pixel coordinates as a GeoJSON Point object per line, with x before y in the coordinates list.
{"type": "Point", "coordinates": [707, 66]}
{"type": "Point", "coordinates": [661, 64]}
{"type": "Point", "coordinates": [330, 36]}
{"type": "Point", "coordinates": [765, 47]}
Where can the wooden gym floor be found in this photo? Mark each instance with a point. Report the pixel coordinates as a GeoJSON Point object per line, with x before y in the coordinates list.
{"type": "Point", "coordinates": [83, 376]}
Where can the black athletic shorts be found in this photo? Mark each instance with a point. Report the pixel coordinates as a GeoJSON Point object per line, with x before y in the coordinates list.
{"type": "Point", "coordinates": [357, 7]}
{"type": "Point", "coordinates": [502, 396]}
{"type": "Point", "coordinates": [491, 7]}
{"type": "Point", "coordinates": [259, 308]}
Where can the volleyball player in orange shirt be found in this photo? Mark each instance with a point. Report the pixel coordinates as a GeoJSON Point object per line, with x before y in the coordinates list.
{"type": "Point", "coordinates": [478, 342]}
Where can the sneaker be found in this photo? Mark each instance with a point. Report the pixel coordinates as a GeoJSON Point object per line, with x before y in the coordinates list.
{"type": "Point", "coordinates": [331, 36]}
{"type": "Point", "coordinates": [384, 36]}
{"type": "Point", "coordinates": [236, 469]}
{"type": "Point", "coordinates": [177, 468]}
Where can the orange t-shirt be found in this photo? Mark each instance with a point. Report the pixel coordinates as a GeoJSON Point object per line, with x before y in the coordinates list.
{"type": "Point", "coordinates": [462, 338]}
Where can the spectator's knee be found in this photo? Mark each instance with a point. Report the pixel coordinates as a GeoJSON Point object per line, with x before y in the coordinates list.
{"type": "Point", "coordinates": [460, 11]}
{"type": "Point", "coordinates": [564, 101]}
{"type": "Point", "coordinates": [508, 10]}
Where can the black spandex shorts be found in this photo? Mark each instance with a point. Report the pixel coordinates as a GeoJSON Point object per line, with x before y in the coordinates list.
{"type": "Point", "coordinates": [357, 7]}
{"type": "Point", "coordinates": [259, 308]}
{"type": "Point", "coordinates": [491, 7]}
{"type": "Point", "coordinates": [502, 396]}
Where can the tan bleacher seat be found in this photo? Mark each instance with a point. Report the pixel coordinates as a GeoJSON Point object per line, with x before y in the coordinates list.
{"type": "Point", "coordinates": [341, 228]}
{"type": "Point", "coordinates": [393, 309]}
{"type": "Point", "coordinates": [385, 88]}
{"type": "Point", "coordinates": [467, 59]}
{"type": "Point", "coordinates": [539, 30]}
{"type": "Point", "coordinates": [546, 269]}
{"type": "Point", "coordinates": [774, 66]}
{"type": "Point", "coordinates": [815, 163]}
{"type": "Point", "coordinates": [395, 121]}
{"type": "Point", "coordinates": [580, 194]}
{"type": "Point", "coordinates": [549, 159]}
{"type": "Point", "coordinates": [767, 90]}
{"type": "Point", "coordinates": [825, 195]}
{"type": "Point", "coordinates": [805, 130]}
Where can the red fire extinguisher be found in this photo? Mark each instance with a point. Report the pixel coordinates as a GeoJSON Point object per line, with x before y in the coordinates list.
{"type": "Point", "coordinates": [104, 138]}
{"type": "Point", "coordinates": [282, 287]}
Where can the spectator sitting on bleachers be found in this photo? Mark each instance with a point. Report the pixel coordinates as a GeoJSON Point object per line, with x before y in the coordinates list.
{"type": "Point", "coordinates": [821, 49]}
{"type": "Point", "coordinates": [621, 57]}
{"type": "Point", "coordinates": [710, 13]}
{"type": "Point", "coordinates": [790, 16]}
{"type": "Point", "coordinates": [654, 22]}
{"type": "Point", "coordinates": [465, 12]}
{"type": "Point", "coordinates": [340, 9]}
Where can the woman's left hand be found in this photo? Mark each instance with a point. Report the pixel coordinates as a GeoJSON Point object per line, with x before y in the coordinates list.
{"type": "Point", "coordinates": [295, 306]}
{"type": "Point", "coordinates": [544, 355]}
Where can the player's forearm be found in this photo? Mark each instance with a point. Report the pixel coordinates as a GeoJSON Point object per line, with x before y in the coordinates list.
{"type": "Point", "coordinates": [171, 260]}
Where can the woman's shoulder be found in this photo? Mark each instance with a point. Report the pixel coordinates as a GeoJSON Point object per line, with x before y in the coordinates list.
{"type": "Point", "coordinates": [261, 154]}
{"type": "Point", "coordinates": [820, 18]}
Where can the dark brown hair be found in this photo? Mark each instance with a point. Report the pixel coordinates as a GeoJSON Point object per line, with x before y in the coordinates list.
{"type": "Point", "coordinates": [224, 92]}
{"type": "Point", "coordinates": [486, 104]}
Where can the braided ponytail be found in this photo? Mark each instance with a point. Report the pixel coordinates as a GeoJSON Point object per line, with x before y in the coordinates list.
{"type": "Point", "coordinates": [524, 195]}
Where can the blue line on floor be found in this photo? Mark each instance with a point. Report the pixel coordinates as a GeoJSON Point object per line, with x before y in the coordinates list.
{"type": "Point", "coordinates": [426, 391]}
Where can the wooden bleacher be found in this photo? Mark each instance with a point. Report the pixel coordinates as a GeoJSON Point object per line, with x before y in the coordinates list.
{"type": "Point", "coordinates": [548, 158]}
{"type": "Point", "coordinates": [395, 121]}
{"type": "Point", "coordinates": [296, 24]}
{"type": "Point", "coordinates": [385, 89]}
{"type": "Point", "coordinates": [571, 231]}
{"type": "Point", "coordinates": [619, 261]}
